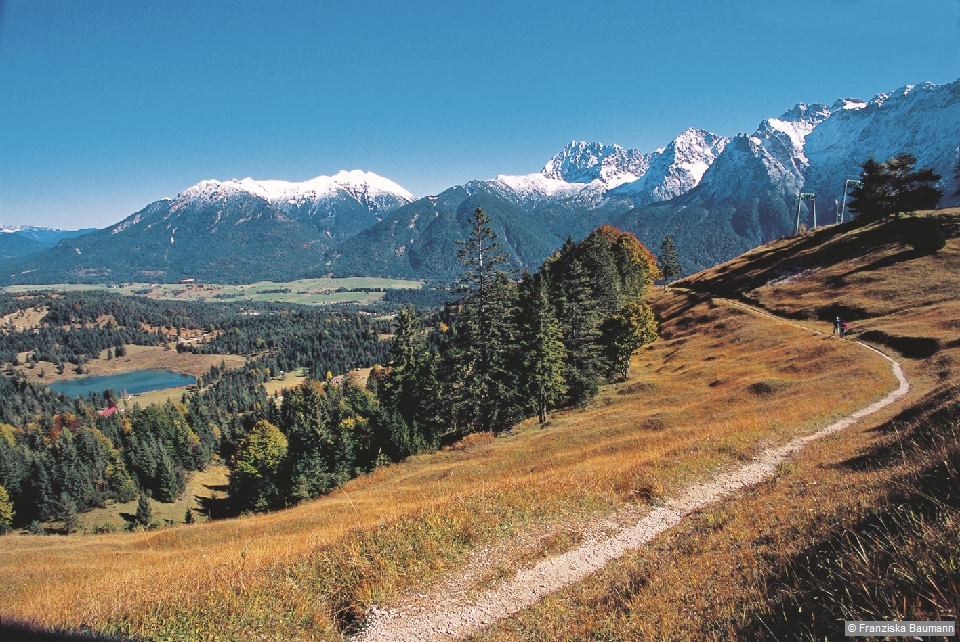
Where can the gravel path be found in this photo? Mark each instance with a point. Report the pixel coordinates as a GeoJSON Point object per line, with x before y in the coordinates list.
{"type": "Point", "coordinates": [451, 613]}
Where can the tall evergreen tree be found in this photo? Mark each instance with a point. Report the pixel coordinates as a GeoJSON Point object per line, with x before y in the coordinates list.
{"type": "Point", "coordinates": [65, 512]}
{"type": "Point", "coordinates": [572, 291]}
{"type": "Point", "coordinates": [144, 514]}
{"type": "Point", "coordinates": [482, 384]}
{"type": "Point", "coordinates": [541, 344]}
{"type": "Point", "coordinates": [669, 261]}
{"type": "Point", "coordinates": [956, 174]}
{"type": "Point", "coordinates": [408, 389]}
{"type": "Point", "coordinates": [894, 187]}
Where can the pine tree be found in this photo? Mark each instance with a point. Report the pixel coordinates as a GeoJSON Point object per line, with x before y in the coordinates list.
{"type": "Point", "coordinates": [65, 511]}
{"type": "Point", "coordinates": [894, 187]}
{"type": "Point", "coordinates": [572, 291]}
{"type": "Point", "coordinates": [541, 342]}
{"type": "Point", "coordinates": [407, 390]}
{"type": "Point", "coordinates": [144, 515]}
{"type": "Point", "coordinates": [482, 356]}
{"type": "Point", "coordinates": [669, 261]}
{"type": "Point", "coordinates": [956, 174]}
{"type": "Point", "coordinates": [170, 480]}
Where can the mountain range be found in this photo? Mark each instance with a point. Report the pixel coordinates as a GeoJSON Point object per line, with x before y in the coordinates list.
{"type": "Point", "coordinates": [717, 197]}
{"type": "Point", "coordinates": [23, 240]}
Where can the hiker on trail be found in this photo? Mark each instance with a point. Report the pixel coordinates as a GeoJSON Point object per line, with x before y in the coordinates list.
{"type": "Point", "coordinates": [836, 325]}
{"type": "Point", "coordinates": [843, 329]}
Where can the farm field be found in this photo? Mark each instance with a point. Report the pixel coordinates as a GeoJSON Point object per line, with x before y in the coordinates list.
{"type": "Point", "coordinates": [320, 291]}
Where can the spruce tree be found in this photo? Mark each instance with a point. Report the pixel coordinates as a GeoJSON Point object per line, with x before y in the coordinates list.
{"type": "Point", "coordinates": [669, 261]}
{"type": "Point", "coordinates": [956, 174]}
{"type": "Point", "coordinates": [482, 373]}
{"type": "Point", "coordinates": [170, 480]}
{"type": "Point", "coordinates": [541, 342]}
{"type": "Point", "coordinates": [894, 187]}
{"type": "Point", "coordinates": [144, 515]}
{"type": "Point", "coordinates": [572, 291]}
{"type": "Point", "coordinates": [408, 389]}
{"type": "Point", "coordinates": [66, 513]}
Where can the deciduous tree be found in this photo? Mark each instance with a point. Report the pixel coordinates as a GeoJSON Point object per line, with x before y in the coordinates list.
{"type": "Point", "coordinates": [624, 333]}
{"type": "Point", "coordinates": [256, 467]}
{"type": "Point", "coordinates": [6, 511]}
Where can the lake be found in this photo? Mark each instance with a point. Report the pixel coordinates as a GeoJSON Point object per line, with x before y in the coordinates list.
{"type": "Point", "coordinates": [133, 382]}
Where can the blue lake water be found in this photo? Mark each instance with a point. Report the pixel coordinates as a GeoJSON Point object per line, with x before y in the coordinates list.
{"type": "Point", "coordinates": [133, 382]}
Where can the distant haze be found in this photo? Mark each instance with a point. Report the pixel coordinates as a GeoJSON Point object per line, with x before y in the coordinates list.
{"type": "Point", "coordinates": [108, 106]}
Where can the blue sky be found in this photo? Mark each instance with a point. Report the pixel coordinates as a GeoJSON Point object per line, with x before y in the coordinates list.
{"type": "Point", "coordinates": [107, 106]}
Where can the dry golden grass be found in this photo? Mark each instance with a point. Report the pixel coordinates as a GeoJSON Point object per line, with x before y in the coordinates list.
{"type": "Point", "coordinates": [204, 485]}
{"type": "Point", "coordinates": [862, 525]}
{"type": "Point", "coordinates": [720, 385]}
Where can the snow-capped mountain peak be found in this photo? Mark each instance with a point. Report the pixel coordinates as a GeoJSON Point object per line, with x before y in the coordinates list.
{"type": "Point", "coordinates": [675, 169]}
{"type": "Point", "coordinates": [583, 162]}
{"type": "Point", "coordinates": [376, 193]}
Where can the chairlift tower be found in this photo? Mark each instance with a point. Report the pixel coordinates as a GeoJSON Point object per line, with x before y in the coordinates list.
{"type": "Point", "coordinates": [806, 196]}
{"type": "Point", "coordinates": [843, 203]}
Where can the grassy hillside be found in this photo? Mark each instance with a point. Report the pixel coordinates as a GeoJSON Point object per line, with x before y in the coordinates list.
{"type": "Point", "coordinates": [721, 385]}
{"type": "Point", "coordinates": [863, 525]}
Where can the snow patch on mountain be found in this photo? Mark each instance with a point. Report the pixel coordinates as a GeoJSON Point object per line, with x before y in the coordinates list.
{"type": "Point", "coordinates": [541, 186]}
{"type": "Point", "coordinates": [923, 120]}
{"type": "Point", "coordinates": [583, 162]}
{"type": "Point", "coordinates": [376, 193]}
{"type": "Point", "coordinates": [675, 169]}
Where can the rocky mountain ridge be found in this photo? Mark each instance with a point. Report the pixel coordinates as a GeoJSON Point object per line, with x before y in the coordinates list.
{"type": "Point", "coordinates": [717, 196]}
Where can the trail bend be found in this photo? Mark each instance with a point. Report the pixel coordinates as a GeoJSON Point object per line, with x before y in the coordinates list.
{"type": "Point", "coordinates": [451, 612]}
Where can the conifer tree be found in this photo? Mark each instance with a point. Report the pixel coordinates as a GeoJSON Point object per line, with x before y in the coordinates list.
{"type": "Point", "coordinates": [669, 261]}
{"type": "Point", "coordinates": [65, 511]}
{"type": "Point", "coordinates": [572, 291]}
{"type": "Point", "coordinates": [482, 377]}
{"type": "Point", "coordinates": [893, 187]}
{"type": "Point", "coordinates": [542, 348]}
{"type": "Point", "coordinates": [170, 480]}
{"type": "Point", "coordinates": [956, 173]}
{"type": "Point", "coordinates": [408, 390]}
{"type": "Point", "coordinates": [144, 513]}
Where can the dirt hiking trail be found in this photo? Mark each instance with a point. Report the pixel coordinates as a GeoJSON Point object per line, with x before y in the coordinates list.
{"type": "Point", "coordinates": [452, 611]}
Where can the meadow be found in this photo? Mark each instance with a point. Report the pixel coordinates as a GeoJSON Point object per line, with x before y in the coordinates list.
{"type": "Point", "coordinates": [720, 385]}
{"type": "Point", "coordinates": [319, 291]}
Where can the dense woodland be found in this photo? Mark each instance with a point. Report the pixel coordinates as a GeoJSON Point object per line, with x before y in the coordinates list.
{"type": "Point", "coordinates": [505, 347]}
{"type": "Point", "coordinates": [509, 348]}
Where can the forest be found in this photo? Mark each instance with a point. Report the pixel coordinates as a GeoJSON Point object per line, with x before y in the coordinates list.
{"type": "Point", "coordinates": [502, 347]}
